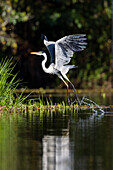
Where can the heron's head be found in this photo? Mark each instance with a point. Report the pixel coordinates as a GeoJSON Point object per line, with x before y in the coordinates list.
{"type": "Point", "coordinates": [43, 37]}
{"type": "Point", "coordinates": [37, 53]}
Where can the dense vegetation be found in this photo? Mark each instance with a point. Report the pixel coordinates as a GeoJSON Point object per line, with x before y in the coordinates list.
{"type": "Point", "coordinates": [22, 22]}
{"type": "Point", "coordinates": [8, 85]}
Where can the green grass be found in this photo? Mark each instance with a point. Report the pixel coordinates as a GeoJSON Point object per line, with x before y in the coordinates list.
{"type": "Point", "coordinates": [8, 85]}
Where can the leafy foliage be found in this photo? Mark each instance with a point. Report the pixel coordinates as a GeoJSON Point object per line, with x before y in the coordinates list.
{"type": "Point", "coordinates": [10, 15]}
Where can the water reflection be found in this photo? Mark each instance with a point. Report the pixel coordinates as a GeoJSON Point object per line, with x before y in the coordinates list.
{"type": "Point", "coordinates": [56, 153]}
{"type": "Point", "coordinates": [62, 140]}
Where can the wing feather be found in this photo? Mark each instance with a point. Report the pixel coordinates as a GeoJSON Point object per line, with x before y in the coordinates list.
{"type": "Point", "coordinates": [65, 47]}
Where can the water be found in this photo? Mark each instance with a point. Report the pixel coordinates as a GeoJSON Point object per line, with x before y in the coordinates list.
{"type": "Point", "coordinates": [65, 140]}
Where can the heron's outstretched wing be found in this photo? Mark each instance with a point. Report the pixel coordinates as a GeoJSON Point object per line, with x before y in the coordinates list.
{"type": "Point", "coordinates": [65, 46]}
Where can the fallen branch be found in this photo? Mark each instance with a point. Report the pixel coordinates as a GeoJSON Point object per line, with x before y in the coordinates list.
{"type": "Point", "coordinates": [91, 104]}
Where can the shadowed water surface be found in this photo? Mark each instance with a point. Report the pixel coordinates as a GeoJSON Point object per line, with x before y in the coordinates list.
{"type": "Point", "coordinates": [46, 140]}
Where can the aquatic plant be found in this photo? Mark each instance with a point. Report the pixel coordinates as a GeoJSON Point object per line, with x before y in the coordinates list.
{"type": "Point", "coordinates": [8, 85]}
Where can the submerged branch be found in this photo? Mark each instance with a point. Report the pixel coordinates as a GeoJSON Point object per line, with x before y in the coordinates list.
{"type": "Point", "coordinates": [91, 104]}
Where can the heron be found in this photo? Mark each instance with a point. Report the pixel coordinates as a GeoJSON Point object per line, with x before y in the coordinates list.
{"type": "Point", "coordinates": [61, 53]}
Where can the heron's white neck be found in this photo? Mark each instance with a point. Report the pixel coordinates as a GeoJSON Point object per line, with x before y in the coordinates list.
{"type": "Point", "coordinates": [43, 63]}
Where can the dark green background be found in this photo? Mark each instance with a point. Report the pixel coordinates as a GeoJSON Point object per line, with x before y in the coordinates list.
{"type": "Point", "coordinates": [22, 22]}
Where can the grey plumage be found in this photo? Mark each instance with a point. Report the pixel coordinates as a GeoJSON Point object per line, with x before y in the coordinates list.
{"type": "Point", "coordinates": [64, 49]}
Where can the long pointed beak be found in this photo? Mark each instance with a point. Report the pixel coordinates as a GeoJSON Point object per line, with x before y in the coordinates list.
{"type": "Point", "coordinates": [33, 52]}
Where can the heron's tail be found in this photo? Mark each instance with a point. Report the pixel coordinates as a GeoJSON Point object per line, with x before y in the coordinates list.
{"type": "Point", "coordinates": [66, 68]}
{"type": "Point", "coordinates": [72, 66]}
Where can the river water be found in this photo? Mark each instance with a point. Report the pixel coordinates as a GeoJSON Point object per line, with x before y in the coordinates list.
{"type": "Point", "coordinates": [56, 140]}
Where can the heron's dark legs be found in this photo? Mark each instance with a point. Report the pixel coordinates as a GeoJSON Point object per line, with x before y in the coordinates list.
{"type": "Point", "coordinates": [74, 90]}
{"type": "Point", "coordinates": [68, 100]}
{"type": "Point", "coordinates": [69, 103]}
{"type": "Point", "coordinates": [75, 95]}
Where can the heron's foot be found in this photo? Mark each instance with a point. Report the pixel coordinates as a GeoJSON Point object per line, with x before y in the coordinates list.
{"type": "Point", "coordinates": [73, 102]}
{"type": "Point", "coordinates": [79, 103]}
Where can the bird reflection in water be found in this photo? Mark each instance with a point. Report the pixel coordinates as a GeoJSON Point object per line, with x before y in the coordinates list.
{"type": "Point", "coordinates": [56, 153]}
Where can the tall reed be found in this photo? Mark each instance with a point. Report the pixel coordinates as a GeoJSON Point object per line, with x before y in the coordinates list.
{"type": "Point", "coordinates": [8, 85]}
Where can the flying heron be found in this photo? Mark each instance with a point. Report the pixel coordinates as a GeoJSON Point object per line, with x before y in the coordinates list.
{"type": "Point", "coordinates": [61, 53]}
